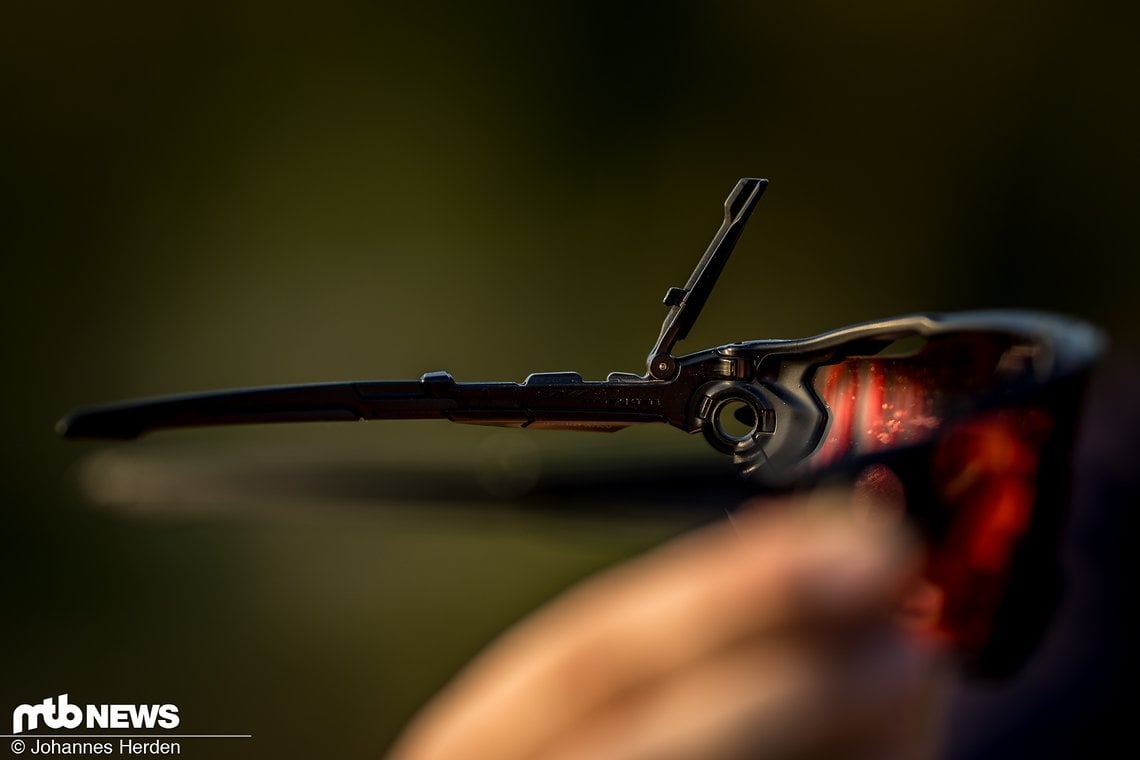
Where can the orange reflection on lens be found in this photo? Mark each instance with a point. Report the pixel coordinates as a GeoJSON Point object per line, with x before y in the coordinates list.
{"type": "Point", "coordinates": [984, 472]}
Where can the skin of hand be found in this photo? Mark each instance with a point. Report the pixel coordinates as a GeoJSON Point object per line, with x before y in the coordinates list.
{"type": "Point", "coordinates": [776, 635]}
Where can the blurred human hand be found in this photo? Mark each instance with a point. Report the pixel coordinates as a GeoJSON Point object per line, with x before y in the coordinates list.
{"type": "Point", "coordinates": [776, 635]}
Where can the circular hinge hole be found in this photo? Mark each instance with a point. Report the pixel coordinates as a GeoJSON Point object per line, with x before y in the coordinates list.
{"type": "Point", "coordinates": [735, 420]}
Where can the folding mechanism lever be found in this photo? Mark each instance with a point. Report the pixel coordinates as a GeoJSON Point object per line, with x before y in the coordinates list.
{"type": "Point", "coordinates": [685, 303]}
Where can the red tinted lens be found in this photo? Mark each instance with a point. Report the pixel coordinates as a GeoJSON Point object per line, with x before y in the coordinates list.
{"type": "Point", "coordinates": [973, 482]}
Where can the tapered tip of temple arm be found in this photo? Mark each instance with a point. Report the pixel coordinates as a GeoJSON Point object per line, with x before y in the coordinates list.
{"type": "Point", "coordinates": [99, 423]}
{"type": "Point", "coordinates": [322, 402]}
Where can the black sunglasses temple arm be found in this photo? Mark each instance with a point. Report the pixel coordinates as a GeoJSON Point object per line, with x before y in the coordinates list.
{"type": "Point", "coordinates": [560, 400]}
{"type": "Point", "coordinates": [551, 400]}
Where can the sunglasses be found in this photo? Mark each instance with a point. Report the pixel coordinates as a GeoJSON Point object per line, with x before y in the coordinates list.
{"type": "Point", "coordinates": [963, 421]}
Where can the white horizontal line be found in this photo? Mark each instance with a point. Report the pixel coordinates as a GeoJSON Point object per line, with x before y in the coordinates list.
{"type": "Point", "coordinates": [126, 736]}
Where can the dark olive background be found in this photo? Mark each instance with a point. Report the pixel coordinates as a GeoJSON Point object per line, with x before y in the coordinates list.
{"type": "Point", "coordinates": [208, 195]}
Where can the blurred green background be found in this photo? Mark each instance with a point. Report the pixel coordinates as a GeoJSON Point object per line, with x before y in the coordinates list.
{"type": "Point", "coordinates": [207, 195]}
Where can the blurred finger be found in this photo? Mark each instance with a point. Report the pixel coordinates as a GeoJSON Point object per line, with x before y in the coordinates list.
{"type": "Point", "coordinates": [773, 701]}
{"type": "Point", "coordinates": [677, 606]}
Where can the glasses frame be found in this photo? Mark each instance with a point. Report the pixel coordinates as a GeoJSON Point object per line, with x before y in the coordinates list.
{"type": "Point", "coordinates": [767, 382]}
